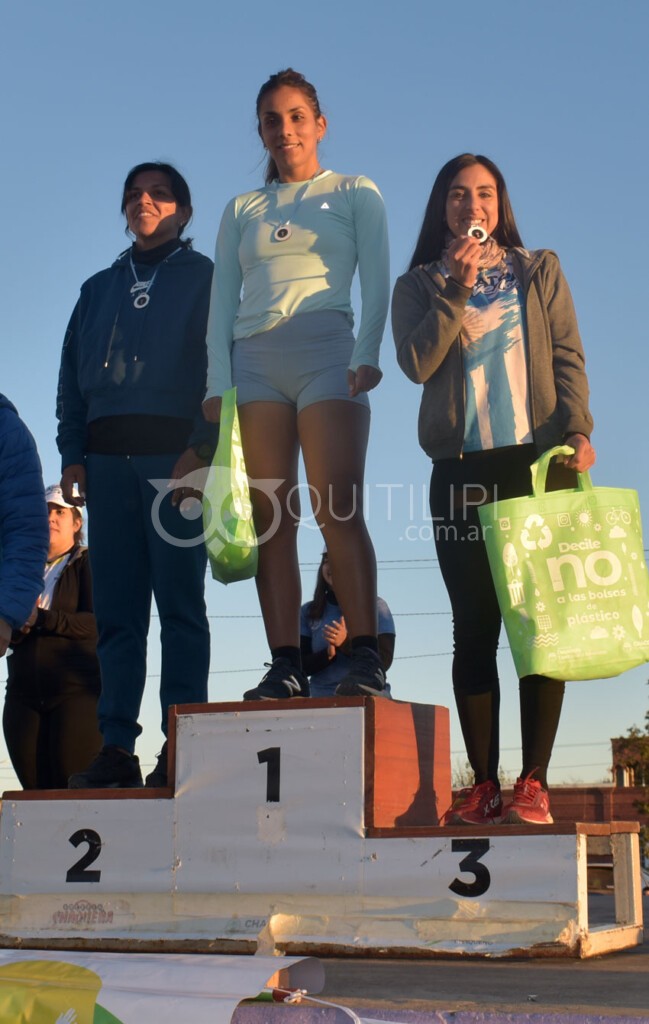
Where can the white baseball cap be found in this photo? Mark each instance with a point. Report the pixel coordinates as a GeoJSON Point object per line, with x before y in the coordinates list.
{"type": "Point", "coordinates": [54, 496]}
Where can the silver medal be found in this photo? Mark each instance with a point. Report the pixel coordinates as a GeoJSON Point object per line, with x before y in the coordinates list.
{"type": "Point", "coordinates": [284, 231]}
{"type": "Point", "coordinates": [478, 232]}
{"type": "Point", "coordinates": [140, 291]}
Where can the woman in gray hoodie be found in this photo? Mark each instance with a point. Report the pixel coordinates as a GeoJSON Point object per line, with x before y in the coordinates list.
{"type": "Point", "coordinates": [489, 329]}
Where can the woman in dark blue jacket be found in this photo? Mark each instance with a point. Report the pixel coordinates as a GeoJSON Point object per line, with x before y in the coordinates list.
{"type": "Point", "coordinates": [133, 439]}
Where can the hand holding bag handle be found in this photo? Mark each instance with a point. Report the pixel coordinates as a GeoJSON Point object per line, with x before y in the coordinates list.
{"type": "Point", "coordinates": [539, 470]}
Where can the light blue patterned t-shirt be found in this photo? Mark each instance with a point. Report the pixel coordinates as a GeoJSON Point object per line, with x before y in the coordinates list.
{"type": "Point", "coordinates": [497, 406]}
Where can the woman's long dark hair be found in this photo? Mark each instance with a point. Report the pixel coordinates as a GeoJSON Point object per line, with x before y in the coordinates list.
{"type": "Point", "coordinates": [294, 80]}
{"type": "Point", "coordinates": [432, 237]}
{"type": "Point", "coordinates": [77, 515]}
{"type": "Point", "coordinates": [318, 603]}
{"type": "Point", "coordinates": [179, 189]}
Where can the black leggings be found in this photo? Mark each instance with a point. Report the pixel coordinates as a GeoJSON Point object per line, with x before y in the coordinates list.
{"type": "Point", "coordinates": [49, 741]}
{"type": "Point", "coordinates": [458, 487]}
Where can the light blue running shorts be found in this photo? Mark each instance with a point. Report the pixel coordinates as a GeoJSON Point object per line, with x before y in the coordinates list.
{"type": "Point", "coordinates": [301, 361]}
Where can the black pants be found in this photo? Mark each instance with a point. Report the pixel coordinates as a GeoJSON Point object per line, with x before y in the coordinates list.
{"type": "Point", "coordinates": [50, 739]}
{"type": "Point", "coordinates": [458, 487]}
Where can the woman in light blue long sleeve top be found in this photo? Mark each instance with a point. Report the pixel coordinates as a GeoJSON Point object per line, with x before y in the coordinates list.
{"type": "Point", "coordinates": [280, 329]}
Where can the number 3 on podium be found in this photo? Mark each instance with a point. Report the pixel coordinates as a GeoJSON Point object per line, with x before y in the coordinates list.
{"type": "Point", "coordinates": [475, 849]}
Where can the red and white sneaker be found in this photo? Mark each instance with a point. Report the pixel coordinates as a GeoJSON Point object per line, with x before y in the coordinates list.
{"type": "Point", "coordinates": [530, 804]}
{"type": "Point", "coordinates": [475, 805]}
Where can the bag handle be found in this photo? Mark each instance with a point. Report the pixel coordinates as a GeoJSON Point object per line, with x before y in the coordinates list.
{"type": "Point", "coordinates": [539, 470]}
{"type": "Point", "coordinates": [228, 406]}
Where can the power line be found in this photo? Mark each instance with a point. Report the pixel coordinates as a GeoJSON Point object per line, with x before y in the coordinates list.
{"type": "Point", "coordinates": [393, 568]}
{"type": "Point", "coordinates": [233, 671]}
{"type": "Point", "coordinates": [399, 657]}
{"type": "Point", "coordinates": [410, 657]}
{"type": "Point", "coordinates": [557, 746]}
{"type": "Point", "coordinates": [400, 615]}
{"type": "Point", "coordinates": [552, 767]}
{"type": "Point", "coordinates": [381, 562]}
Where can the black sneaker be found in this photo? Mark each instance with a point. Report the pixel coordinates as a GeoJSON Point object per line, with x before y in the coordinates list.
{"type": "Point", "coordinates": [158, 777]}
{"type": "Point", "coordinates": [112, 769]}
{"type": "Point", "coordinates": [365, 678]}
{"type": "Point", "coordinates": [281, 681]}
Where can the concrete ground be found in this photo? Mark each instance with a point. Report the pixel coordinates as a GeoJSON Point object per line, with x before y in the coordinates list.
{"type": "Point", "coordinates": [553, 991]}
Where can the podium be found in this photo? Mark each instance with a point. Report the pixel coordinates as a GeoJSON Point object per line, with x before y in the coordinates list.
{"type": "Point", "coordinates": [303, 827]}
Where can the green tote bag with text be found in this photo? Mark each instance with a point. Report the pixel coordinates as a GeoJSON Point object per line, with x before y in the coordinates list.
{"type": "Point", "coordinates": [571, 577]}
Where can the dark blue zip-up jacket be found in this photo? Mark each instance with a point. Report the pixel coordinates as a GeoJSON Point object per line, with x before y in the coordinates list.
{"type": "Point", "coordinates": [118, 360]}
{"type": "Point", "coordinates": [24, 527]}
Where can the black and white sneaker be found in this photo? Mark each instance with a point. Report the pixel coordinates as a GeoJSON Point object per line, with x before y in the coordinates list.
{"type": "Point", "coordinates": [282, 680]}
{"type": "Point", "coordinates": [112, 769]}
{"type": "Point", "coordinates": [365, 678]}
{"type": "Point", "coordinates": [158, 777]}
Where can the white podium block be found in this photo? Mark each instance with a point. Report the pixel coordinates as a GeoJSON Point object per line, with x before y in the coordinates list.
{"type": "Point", "coordinates": [302, 826]}
{"type": "Point", "coordinates": [402, 751]}
{"type": "Point", "coordinates": [101, 846]}
{"type": "Point", "coordinates": [285, 784]}
{"type": "Point", "coordinates": [78, 867]}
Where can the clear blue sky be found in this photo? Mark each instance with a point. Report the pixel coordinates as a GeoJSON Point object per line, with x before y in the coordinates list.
{"type": "Point", "coordinates": [556, 93]}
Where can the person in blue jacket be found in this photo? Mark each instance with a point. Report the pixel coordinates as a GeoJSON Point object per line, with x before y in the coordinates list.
{"type": "Point", "coordinates": [325, 644]}
{"type": "Point", "coordinates": [24, 529]}
{"type": "Point", "coordinates": [133, 438]}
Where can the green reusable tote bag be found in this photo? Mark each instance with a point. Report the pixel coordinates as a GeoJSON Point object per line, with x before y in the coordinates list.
{"type": "Point", "coordinates": [227, 511]}
{"type": "Point", "coordinates": [571, 577]}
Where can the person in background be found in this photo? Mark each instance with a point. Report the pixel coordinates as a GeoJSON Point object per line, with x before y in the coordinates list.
{"type": "Point", "coordinates": [53, 682]}
{"type": "Point", "coordinates": [324, 641]}
{"type": "Point", "coordinates": [24, 534]}
{"type": "Point", "coordinates": [302, 378]}
{"type": "Point", "coordinates": [133, 438]}
{"type": "Point", "coordinates": [489, 329]}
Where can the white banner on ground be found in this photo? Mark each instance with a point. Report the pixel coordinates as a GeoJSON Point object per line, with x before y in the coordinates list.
{"type": "Point", "coordinates": [43, 987]}
{"type": "Point", "coordinates": [370, 1020]}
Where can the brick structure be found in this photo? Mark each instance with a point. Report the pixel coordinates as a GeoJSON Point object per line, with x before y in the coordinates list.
{"type": "Point", "coordinates": [597, 803]}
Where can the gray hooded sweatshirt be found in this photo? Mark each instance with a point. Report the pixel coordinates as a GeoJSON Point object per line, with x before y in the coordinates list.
{"type": "Point", "coordinates": [427, 313]}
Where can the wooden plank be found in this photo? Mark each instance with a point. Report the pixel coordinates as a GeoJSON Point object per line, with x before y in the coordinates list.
{"type": "Point", "coordinates": [627, 884]}
{"type": "Point", "coordinates": [581, 865]}
{"type": "Point", "coordinates": [294, 704]}
{"type": "Point", "coordinates": [407, 764]}
{"type": "Point", "coordinates": [624, 826]}
{"type": "Point", "coordinates": [598, 941]}
{"type": "Point", "coordinates": [560, 828]}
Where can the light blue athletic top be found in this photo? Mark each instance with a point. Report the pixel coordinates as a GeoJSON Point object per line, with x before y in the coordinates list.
{"type": "Point", "coordinates": [337, 223]}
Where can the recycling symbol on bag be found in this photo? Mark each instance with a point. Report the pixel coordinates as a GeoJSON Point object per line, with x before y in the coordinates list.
{"type": "Point", "coordinates": [535, 533]}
